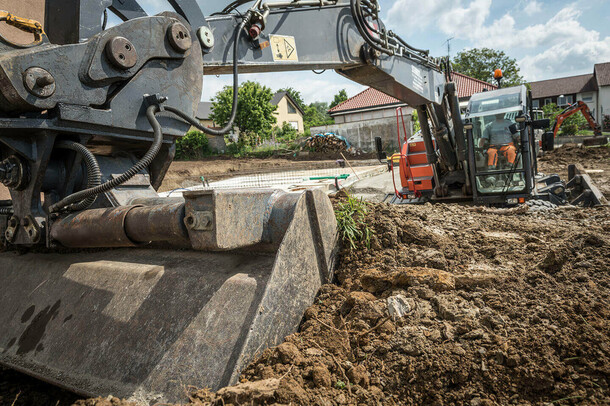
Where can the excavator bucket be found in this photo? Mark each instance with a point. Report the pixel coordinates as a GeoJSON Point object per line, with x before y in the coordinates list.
{"type": "Point", "coordinates": [144, 323]}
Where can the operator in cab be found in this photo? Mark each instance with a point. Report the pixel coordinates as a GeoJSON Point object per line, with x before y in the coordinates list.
{"type": "Point", "coordinates": [498, 139]}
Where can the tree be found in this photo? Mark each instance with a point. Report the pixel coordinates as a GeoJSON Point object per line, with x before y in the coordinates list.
{"type": "Point", "coordinates": [480, 63]}
{"type": "Point", "coordinates": [255, 116]}
{"type": "Point", "coordinates": [570, 125]}
{"type": "Point", "coordinates": [296, 96]}
{"type": "Point", "coordinates": [316, 114]}
{"type": "Point", "coordinates": [339, 98]}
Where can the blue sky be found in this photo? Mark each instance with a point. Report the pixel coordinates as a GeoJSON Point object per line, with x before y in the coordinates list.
{"type": "Point", "coordinates": [549, 39]}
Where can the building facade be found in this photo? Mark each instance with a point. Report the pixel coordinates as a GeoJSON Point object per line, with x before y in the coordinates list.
{"type": "Point", "coordinates": [372, 113]}
{"type": "Point", "coordinates": [288, 111]}
{"type": "Point", "coordinates": [592, 88]}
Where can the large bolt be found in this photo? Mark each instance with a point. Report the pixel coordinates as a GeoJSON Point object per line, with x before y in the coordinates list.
{"type": "Point", "coordinates": [121, 53]}
{"type": "Point", "coordinates": [39, 82]}
{"type": "Point", "coordinates": [206, 37]}
{"type": "Point", "coordinates": [179, 37]}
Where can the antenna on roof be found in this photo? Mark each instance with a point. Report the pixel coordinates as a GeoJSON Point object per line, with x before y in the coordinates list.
{"type": "Point", "coordinates": [448, 42]}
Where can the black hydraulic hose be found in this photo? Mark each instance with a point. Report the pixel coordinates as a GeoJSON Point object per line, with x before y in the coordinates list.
{"type": "Point", "coordinates": [130, 173]}
{"type": "Point", "coordinates": [94, 175]}
{"type": "Point", "coordinates": [224, 130]}
{"type": "Point", "coordinates": [105, 21]}
{"type": "Point", "coordinates": [6, 210]}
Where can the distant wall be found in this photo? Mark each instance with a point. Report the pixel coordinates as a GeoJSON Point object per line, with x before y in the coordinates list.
{"type": "Point", "coordinates": [361, 134]}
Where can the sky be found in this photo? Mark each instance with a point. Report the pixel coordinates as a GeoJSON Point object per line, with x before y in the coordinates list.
{"type": "Point", "coordinates": [549, 39]}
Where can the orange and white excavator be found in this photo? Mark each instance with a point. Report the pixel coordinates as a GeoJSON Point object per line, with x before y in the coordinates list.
{"type": "Point", "coordinates": [582, 107]}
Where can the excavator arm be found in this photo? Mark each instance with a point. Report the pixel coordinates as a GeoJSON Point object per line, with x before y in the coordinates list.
{"type": "Point", "coordinates": [582, 107]}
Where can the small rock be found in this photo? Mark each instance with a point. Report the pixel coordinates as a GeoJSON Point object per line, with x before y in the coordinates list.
{"type": "Point", "coordinates": [290, 354]}
{"type": "Point", "coordinates": [474, 334]}
{"type": "Point", "coordinates": [245, 393]}
{"type": "Point", "coordinates": [436, 279]}
{"type": "Point", "coordinates": [321, 376]}
{"type": "Point", "coordinates": [313, 352]}
{"type": "Point", "coordinates": [355, 297]}
{"type": "Point", "coordinates": [399, 306]}
{"type": "Point", "coordinates": [341, 399]}
{"type": "Point", "coordinates": [513, 361]}
{"type": "Point", "coordinates": [358, 375]}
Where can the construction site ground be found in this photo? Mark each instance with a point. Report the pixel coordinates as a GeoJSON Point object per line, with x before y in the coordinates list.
{"type": "Point", "coordinates": [447, 305]}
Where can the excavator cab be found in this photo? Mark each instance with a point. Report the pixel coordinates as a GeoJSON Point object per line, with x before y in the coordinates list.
{"type": "Point", "coordinates": [499, 137]}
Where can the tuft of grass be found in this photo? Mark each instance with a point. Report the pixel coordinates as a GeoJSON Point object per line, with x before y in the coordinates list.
{"type": "Point", "coordinates": [340, 385]}
{"type": "Point", "coordinates": [351, 216]}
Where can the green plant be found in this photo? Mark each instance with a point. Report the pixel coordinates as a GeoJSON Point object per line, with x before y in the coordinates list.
{"type": "Point", "coordinates": [480, 63]}
{"type": "Point", "coordinates": [286, 133]}
{"type": "Point", "coordinates": [193, 145]}
{"type": "Point", "coordinates": [340, 385]}
{"type": "Point", "coordinates": [351, 220]}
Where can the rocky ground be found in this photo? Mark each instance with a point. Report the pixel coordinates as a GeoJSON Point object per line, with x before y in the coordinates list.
{"type": "Point", "coordinates": [447, 305]}
{"type": "Point", "coordinates": [452, 305]}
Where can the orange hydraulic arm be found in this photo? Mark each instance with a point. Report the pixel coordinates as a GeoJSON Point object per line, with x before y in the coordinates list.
{"type": "Point", "coordinates": [573, 109]}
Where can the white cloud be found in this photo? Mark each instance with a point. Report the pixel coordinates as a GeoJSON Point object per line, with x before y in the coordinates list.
{"type": "Point", "coordinates": [532, 7]}
{"type": "Point", "coordinates": [561, 45]}
{"type": "Point", "coordinates": [566, 58]}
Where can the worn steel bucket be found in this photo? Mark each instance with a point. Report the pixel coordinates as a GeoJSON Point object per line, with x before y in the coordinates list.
{"type": "Point", "coordinates": [145, 323]}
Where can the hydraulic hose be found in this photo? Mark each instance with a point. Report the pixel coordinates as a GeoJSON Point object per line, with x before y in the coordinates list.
{"type": "Point", "coordinates": [94, 175]}
{"type": "Point", "coordinates": [224, 130]}
{"type": "Point", "coordinates": [124, 177]}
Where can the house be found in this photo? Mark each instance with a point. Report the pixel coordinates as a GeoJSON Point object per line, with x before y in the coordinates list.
{"type": "Point", "coordinates": [288, 111]}
{"type": "Point", "coordinates": [204, 111]}
{"type": "Point", "coordinates": [592, 88]}
{"type": "Point", "coordinates": [372, 113]}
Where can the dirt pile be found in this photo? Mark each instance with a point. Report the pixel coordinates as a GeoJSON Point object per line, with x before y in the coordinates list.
{"type": "Point", "coordinates": [595, 159]}
{"type": "Point", "coordinates": [452, 305]}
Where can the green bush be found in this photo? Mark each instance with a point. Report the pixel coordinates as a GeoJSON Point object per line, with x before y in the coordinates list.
{"type": "Point", "coordinates": [194, 145]}
{"type": "Point", "coordinates": [285, 133]}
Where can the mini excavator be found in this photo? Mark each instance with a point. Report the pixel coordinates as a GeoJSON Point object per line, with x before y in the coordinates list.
{"type": "Point", "coordinates": [488, 159]}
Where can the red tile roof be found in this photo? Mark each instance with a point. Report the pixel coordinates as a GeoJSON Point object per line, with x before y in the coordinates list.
{"type": "Point", "coordinates": [365, 100]}
{"type": "Point", "coordinates": [370, 98]}
{"type": "Point", "coordinates": [467, 86]}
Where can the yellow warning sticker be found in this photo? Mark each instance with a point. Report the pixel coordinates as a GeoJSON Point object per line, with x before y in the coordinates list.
{"type": "Point", "coordinates": [284, 48]}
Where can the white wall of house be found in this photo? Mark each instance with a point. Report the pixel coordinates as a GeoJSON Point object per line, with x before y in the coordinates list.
{"type": "Point", "coordinates": [591, 99]}
{"type": "Point", "coordinates": [361, 134]}
{"type": "Point", "coordinates": [603, 104]}
{"type": "Point", "coordinates": [356, 116]}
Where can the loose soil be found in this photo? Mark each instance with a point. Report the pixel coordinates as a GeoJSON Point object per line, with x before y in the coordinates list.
{"type": "Point", "coordinates": [592, 158]}
{"type": "Point", "coordinates": [449, 305]}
